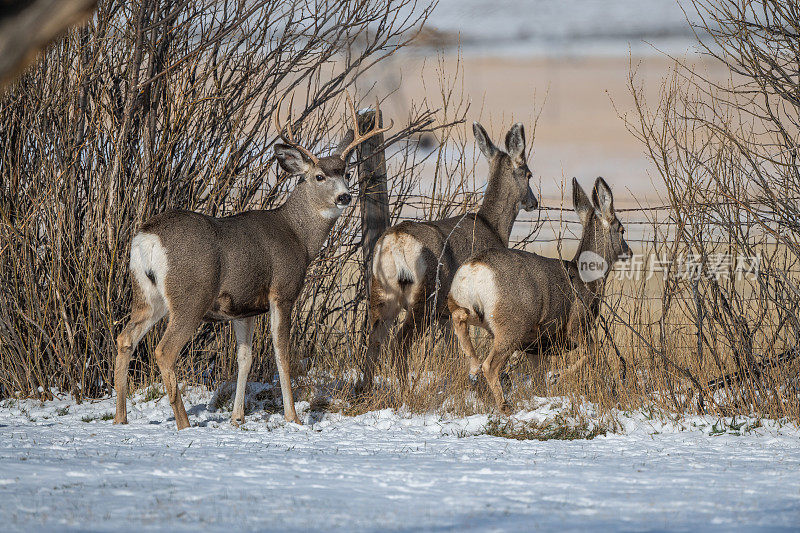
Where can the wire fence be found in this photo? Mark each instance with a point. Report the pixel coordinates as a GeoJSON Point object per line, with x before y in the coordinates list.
{"type": "Point", "coordinates": [649, 230]}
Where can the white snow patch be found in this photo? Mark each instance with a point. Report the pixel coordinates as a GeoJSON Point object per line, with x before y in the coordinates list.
{"type": "Point", "coordinates": [63, 467]}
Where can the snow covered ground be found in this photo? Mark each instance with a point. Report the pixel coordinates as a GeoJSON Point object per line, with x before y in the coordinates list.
{"type": "Point", "coordinates": [565, 27]}
{"type": "Point", "coordinates": [63, 467]}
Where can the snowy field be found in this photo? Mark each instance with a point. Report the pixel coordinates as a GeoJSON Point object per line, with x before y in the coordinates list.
{"type": "Point", "coordinates": [565, 27]}
{"type": "Point", "coordinates": [62, 467]}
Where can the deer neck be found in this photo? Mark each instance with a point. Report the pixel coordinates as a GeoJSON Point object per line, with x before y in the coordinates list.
{"type": "Point", "coordinates": [499, 208]}
{"type": "Point", "coordinates": [590, 242]}
{"type": "Point", "coordinates": [310, 226]}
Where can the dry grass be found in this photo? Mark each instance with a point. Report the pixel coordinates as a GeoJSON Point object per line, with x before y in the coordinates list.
{"type": "Point", "coordinates": [65, 293]}
{"type": "Point", "coordinates": [557, 428]}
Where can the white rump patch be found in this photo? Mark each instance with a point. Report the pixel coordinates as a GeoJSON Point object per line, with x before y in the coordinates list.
{"type": "Point", "coordinates": [474, 288]}
{"type": "Point", "coordinates": [398, 256]}
{"type": "Point", "coordinates": [148, 256]}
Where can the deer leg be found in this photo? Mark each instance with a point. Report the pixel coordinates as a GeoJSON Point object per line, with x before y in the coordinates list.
{"type": "Point", "coordinates": [279, 315]}
{"type": "Point", "coordinates": [461, 328]}
{"type": "Point", "coordinates": [179, 331]}
{"type": "Point", "coordinates": [379, 333]}
{"type": "Point", "coordinates": [383, 311]}
{"type": "Point", "coordinates": [576, 366]}
{"type": "Point", "coordinates": [578, 331]}
{"type": "Point", "coordinates": [244, 356]}
{"type": "Point", "coordinates": [448, 333]}
{"type": "Point", "coordinates": [582, 359]}
{"type": "Point", "coordinates": [143, 317]}
{"type": "Point", "coordinates": [492, 366]}
{"type": "Point", "coordinates": [405, 337]}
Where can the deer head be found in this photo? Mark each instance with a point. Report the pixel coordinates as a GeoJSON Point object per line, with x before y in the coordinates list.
{"type": "Point", "coordinates": [603, 233]}
{"type": "Point", "coordinates": [510, 167]}
{"type": "Point", "coordinates": [325, 179]}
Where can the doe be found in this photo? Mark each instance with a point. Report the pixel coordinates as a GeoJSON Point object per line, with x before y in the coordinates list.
{"type": "Point", "coordinates": [414, 262]}
{"type": "Point", "coordinates": [535, 303]}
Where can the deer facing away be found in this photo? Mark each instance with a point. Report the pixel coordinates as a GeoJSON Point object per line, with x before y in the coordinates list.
{"type": "Point", "coordinates": [534, 303]}
{"type": "Point", "coordinates": [414, 262]}
{"type": "Point", "coordinates": [198, 268]}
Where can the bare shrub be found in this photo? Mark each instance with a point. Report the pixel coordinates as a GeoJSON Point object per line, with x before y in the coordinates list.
{"type": "Point", "coordinates": [156, 105]}
{"type": "Point", "coordinates": [727, 154]}
{"type": "Point", "coordinates": [160, 104]}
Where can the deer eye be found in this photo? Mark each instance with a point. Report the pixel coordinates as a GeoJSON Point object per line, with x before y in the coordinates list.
{"type": "Point", "coordinates": [320, 177]}
{"type": "Point", "coordinates": [347, 175]}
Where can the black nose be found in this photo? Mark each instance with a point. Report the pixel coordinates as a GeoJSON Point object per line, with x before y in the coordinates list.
{"type": "Point", "coordinates": [343, 199]}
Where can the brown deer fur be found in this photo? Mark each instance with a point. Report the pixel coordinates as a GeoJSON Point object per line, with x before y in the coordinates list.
{"type": "Point", "coordinates": [534, 303]}
{"type": "Point", "coordinates": [414, 262]}
{"type": "Point", "coordinates": [198, 268]}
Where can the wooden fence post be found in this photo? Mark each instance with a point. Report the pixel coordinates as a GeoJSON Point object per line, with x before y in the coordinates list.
{"type": "Point", "coordinates": [373, 190]}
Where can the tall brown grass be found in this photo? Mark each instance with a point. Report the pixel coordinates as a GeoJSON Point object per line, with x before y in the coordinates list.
{"type": "Point", "coordinates": [146, 109]}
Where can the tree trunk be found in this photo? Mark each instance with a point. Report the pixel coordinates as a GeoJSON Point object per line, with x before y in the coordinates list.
{"type": "Point", "coordinates": [373, 190]}
{"type": "Point", "coordinates": [28, 26]}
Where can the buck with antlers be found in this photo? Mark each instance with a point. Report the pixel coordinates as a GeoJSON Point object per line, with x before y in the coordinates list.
{"type": "Point", "coordinates": [198, 268]}
{"type": "Point", "coordinates": [414, 262]}
{"type": "Point", "coordinates": [534, 303]}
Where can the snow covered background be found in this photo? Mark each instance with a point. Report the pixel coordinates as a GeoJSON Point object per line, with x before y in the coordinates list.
{"type": "Point", "coordinates": [566, 27]}
{"type": "Point", "coordinates": [63, 467]}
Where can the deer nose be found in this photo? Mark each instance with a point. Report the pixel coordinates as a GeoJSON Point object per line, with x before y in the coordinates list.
{"type": "Point", "coordinates": [344, 199]}
{"type": "Point", "coordinates": [531, 202]}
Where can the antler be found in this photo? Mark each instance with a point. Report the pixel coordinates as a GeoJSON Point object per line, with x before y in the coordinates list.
{"type": "Point", "coordinates": [288, 137]}
{"type": "Point", "coordinates": [357, 137]}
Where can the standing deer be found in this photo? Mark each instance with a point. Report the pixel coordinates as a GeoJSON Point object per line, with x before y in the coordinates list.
{"type": "Point", "coordinates": [530, 302]}
{"type": "Point", "coordinates": [198, 268]}
{"type": "Point", "coordinates": [414, 262]}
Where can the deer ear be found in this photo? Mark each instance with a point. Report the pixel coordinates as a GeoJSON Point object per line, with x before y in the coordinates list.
{"type": "Point", "coordinates": [583, 206]}
{"type": "Point", "coordinates": [344, 143]}
{"type": "Point", "coordinates": [484, 143]}
{"type": "Point", "coordinates": [515, 142]}
{"type": "Point", "coordinates": [290, 159]}
{"type": "Point", "coordinates": [603, 199]}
